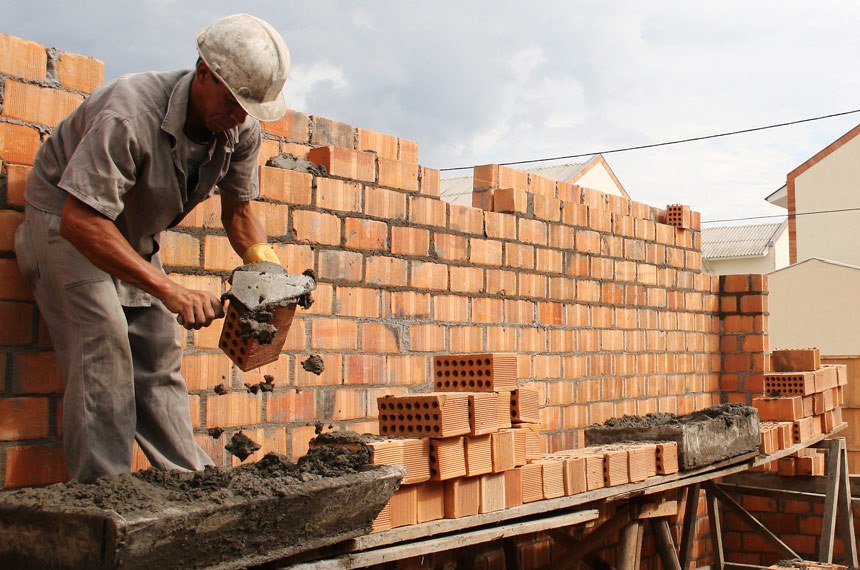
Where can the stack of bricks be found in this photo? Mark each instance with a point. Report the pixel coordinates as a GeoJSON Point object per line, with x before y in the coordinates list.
{"type": "Point", "coordinates": [479, 434]}
{"type": "Point", "coordinates": [802, 399]}
{"type": "Point", "coordinates": [478, 424]}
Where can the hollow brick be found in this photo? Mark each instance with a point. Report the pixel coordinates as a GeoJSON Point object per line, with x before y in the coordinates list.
{"type": "Point", "coordinates": [462, 497]}
{"type": "Point", "coordinates": [344, 162]}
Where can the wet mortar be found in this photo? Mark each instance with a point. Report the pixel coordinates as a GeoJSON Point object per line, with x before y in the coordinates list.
{"type": "Point", "coordinates": [314, 364]}
{"type": "Point", "coordinates": [154, 489]}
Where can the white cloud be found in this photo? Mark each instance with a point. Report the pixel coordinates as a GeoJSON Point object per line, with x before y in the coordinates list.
{"type": "Point", "coordinates": [305, 79]}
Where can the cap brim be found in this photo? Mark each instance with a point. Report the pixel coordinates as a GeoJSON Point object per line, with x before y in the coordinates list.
{"type": "Point", "coordinates": [268, 111]}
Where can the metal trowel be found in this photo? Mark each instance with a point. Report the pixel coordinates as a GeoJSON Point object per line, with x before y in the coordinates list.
{"type": "Point", "coordinates": [262, 301]}
{"type": "Point", "coordinates": [263, 284]}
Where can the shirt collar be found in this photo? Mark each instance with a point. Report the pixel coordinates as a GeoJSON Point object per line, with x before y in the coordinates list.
{"type": "Point", "coordinates": [177, 107]}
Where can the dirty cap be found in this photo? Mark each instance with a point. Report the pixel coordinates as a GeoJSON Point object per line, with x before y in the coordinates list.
{"type": "Point", "coordinates": [248, 56]}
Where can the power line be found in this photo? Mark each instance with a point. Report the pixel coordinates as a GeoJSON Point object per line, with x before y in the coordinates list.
{"type": "Point", "coordinates": [798, 214]}
{"type": "Point", "coordinates": [680, 141]}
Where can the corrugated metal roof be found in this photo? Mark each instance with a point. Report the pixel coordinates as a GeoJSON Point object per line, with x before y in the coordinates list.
{"type": "Point", "coordinates": [739, 241]}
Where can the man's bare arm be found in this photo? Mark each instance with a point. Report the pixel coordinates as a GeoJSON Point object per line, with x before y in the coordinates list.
{"type": "Point", "coordinates": [243, 227]}
{"type": "Point", "coordinates": [98, 239]}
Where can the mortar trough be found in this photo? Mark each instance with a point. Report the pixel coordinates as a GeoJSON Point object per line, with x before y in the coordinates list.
{"type": "Point", "coordinates": [218, 519]}
{"type": "Point", "coordinates": [704, 437]}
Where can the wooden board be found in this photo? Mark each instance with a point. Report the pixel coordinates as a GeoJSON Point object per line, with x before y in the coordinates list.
{"type": "Point", "coordinates": [458, 540]}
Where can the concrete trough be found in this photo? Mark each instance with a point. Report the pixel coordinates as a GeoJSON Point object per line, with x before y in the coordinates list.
{"type": "Point", "coordinates": [222, 530]}
{"type": "Point", "coordinates": [704, 437]}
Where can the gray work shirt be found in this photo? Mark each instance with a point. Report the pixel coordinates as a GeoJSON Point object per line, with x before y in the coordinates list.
{"type": "Point", "coordinates": [118, 153]}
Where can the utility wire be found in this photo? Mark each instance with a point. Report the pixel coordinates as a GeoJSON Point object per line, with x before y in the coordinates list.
{"type": "Point", "coordinates": [798, 214]}
{"type": "Point", "coordinates": [680, 141]}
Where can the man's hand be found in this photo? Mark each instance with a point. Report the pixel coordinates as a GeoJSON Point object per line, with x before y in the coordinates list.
{"type": "Point", "coordinates": [195, 309]}
{"type": "Point", "coordinates": [101, 242]}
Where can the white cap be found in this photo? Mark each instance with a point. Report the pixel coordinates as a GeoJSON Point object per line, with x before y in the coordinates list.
{"type": "Point", "coordinates": [251, 59]}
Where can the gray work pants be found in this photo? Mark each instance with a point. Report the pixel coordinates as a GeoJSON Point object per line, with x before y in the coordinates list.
{"type": "Point", "coordinates": [120, 364]}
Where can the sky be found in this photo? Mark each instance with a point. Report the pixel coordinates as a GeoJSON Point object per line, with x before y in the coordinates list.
{"type": "Point", "coordinates": [477, 82]}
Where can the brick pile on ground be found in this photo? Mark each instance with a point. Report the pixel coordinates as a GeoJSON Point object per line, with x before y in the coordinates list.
{"type": "Point", "coordinates": [474, 446]}
{"type": "Point", "coordinates": [802, 400]}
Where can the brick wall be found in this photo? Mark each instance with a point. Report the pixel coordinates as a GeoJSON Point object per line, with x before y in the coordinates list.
{"type": "Point", "coordinates": [605, 305]}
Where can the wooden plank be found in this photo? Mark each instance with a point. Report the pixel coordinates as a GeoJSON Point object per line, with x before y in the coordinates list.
{"type": "Point", "coordinates": [828, 524]}
{"type": "Point", "coordinates": [630, 547]}
{"type": "Point", "coordinates": [460, 540]}
{"type": "Point", "coordinates": [688, 531]}
{"type": "Point", "coordinates": [596, 538]}
{"type": "Point", "coordinates": [664, 544]}
{"type": "Point", "coordinates": [716, 530]}
{"type": "Point", "coordinates": [750, 520]}
{"type": "Point", "coordinates": [653, 485]}
{"type": "Point", "coordinates": [659, 510]}
{"type": "Point", "coordinates": [846, 523]}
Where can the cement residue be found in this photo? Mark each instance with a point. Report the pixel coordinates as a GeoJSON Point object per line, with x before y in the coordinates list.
{"type": "Point", "coordinates": [155, 490]}
{"type": "Point", "coordinates": [242, 446]}
{"type": "Point", "coordinates": [289, 161]}
{"type": "Point", "coordinates": [725, 411]}
{"type": "Point", "coordinates": [314, 364]}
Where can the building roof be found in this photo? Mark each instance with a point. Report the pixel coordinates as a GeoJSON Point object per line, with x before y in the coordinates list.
{"type": "Point", "coordinates": [725, 242]}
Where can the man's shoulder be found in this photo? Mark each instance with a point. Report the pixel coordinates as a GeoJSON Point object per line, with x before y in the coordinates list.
{"type": "Point", "coordinates": [137, 93]}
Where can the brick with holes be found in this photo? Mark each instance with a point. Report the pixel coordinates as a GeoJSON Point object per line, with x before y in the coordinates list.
{"type": "Point", "coordinates": [247, 350]}
{"type": "Point", "coordinates": [475, 372]}
{"type": "Point", "coordinates": [524, 406]}
{"type": "Point", "coordinates": [484, 412]}
{"type": "Point", "coordinates": [434, 414]}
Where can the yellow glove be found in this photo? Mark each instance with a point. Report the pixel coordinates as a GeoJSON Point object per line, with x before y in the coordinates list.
{"type": "Point", "coordinates": [260, 252]}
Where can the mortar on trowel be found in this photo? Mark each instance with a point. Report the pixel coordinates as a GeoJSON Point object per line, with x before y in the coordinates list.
{"type": "Point", "coordinates": [261, 303]}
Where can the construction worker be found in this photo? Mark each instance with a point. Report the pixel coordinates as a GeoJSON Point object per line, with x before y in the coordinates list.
{"type": "Point", "coordinates": [130, 162]}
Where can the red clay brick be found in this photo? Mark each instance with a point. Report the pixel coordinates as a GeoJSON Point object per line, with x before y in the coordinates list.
{"type": "Point", "coordinates": [395, 174]}
{"type": "Point", "coordinates": [407, 304]}
{"type": "Point", "coordinates": [450, 308]}
{"type": "Point", "coordinates": [345, 163]}
{"type": "Point", "coordinates": [389, 205]}
{"type": "Point", "coordinates": [283, 185]}
{"type": "Point", "coordinates": [13, 287]}
{"type": "Point", "coordinates": [380, 270]}
{"type": "Point", "coordinates": [36, 373]}
{"type": "Point", "coordinates": [332, 133]}
{"type": "Point", "coordinates": [429, 181]}
{"type": "Point", "coordinates": [18, 143]}
{"type": "Point", "coordinates": [357, 302]}
{"type": "Point", "coordinates": [340, 195]}
{"type": "Point", "coordinates": [23, 418]}
{"type": "Point", "coordinates": [22, 58]}
{"type": "Point", "coordinates": [407, 151]}
{"type": "Point", "coordinates": [735, 283]}
{"type": "Point", "coordinates": [35, 104]}
{"type": "Point", "coordinates": [218, 254]}
{"type": "Point", "coordinates": [427, 211]}
{"type": "Point", "coordinates": [467, 279]}
{"type": "Point", "coordinates": [360, 233]}
{"type": "Point", "coordinates": [427, 338]}
{"type": "Point", "coordinates": [205, 371]}
{"type": "Point", "coordinates": [334, 334]}
{"type": "Point", "coordinates": [466, 339]}
{"type": "Point", "coordinates": [426, 275]}
{"type": "Point", "coordinates": [385, 146]}
{"type": "Point", "coordinates": [485, 252]}
{"type": "Point", "coordinates": [179, 249]}
{"type": "Point", "coordinates": [268, 149]}
{"type": "Point", "coordinates": [510, 201]}
{"type": "Point", "coordinates": [292, 126]}
{"type": "Point", "coordinates": [34, 465]}
{"type": "Point", "coordinates": [78, 72]}
{"type": "Point", "coordinates": [22, 315]}
{"type": "Point", "coordinates": [379, 338]}
{"type": "Point", "coordinates": [450, 247]}
{"type": "Point", "coordinates": [340, 265]}
{"type": "Point", "coordinates": [406, 240]}
{"type": "Point", "coordinates": [365, 369]}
